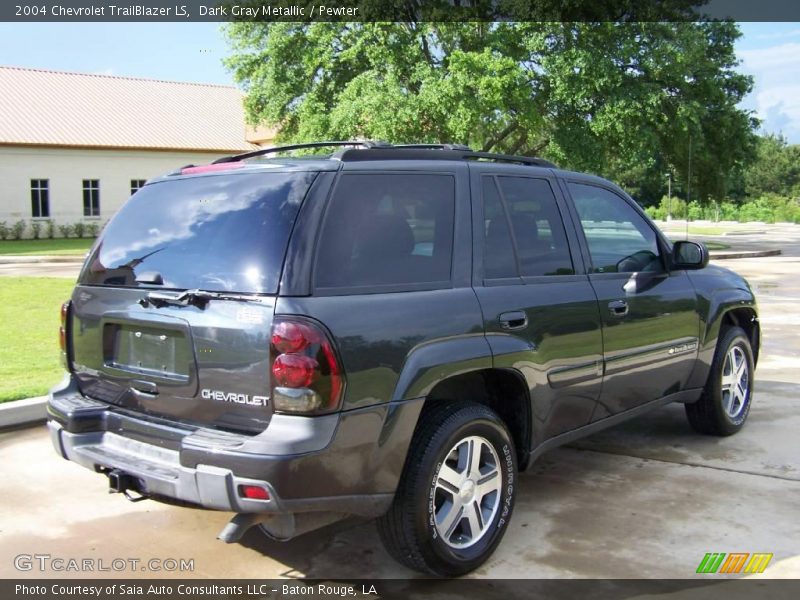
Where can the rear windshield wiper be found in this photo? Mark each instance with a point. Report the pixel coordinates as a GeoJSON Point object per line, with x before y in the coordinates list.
{"type": "Point", "coordinates": [195, 297]}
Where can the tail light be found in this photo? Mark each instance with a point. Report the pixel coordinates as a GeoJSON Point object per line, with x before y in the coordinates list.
{"type": "Point", "coordinates": [62, 332]}
{"type": "Point", "coordinates": [253, 492]}
{"type": "Point", "coordinates": [306, 373]}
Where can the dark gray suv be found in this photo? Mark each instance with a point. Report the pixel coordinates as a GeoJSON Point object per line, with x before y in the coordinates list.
{"type": "Point", "coordinates": [386, 331]}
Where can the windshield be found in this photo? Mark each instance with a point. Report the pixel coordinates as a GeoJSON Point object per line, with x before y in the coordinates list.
{"type": "Point", "coordinates": [219, 233]}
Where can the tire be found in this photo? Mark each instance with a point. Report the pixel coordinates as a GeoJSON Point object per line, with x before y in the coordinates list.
{"type": "Point", "coordinates": [723, 408]}
{"type": "Point", "coordinates": [436, 484]}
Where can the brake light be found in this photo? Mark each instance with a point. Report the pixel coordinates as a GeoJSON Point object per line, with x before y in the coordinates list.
{"type": "Point", "coordinates": [253, 492]}
{"type": "Point", "coordinates": [294, 370]}
{"type": "Point", "coordinates": [289, 336]}
{"type": "Point", "coordinates": [211, 168]}
{"type": "Point", "coordinates": [306, 373]}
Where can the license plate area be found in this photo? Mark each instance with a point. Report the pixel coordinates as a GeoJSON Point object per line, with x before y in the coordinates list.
{"type": "Point", "coordinates": [161, 352]}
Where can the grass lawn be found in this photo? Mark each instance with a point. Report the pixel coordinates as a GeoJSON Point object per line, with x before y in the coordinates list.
{"type": "Point", "coordinates": [29, 354]}
{"type": "Point", "coordinates": [716, 246]}
{"type": "Point", "coordinates": [695, 230]}
{"type": "Point", "coordinates": [79, 246]}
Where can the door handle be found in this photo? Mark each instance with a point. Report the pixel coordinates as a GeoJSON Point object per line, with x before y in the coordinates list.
{"type": "Point", "coordinates": [144, 389]}
{"type": "Point", "coordinates": [516, 319]}
{"type": "Point", "coordinates": [618, 308]}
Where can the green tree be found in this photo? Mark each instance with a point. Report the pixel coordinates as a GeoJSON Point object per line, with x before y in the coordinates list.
{"type": "Point", "coordinates": [775, 169]}
{"type": "Point", "coordinates": [618, 99]}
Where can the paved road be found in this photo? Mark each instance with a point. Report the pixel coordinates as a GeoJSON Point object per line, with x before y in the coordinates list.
{"type": "Point", "coordinates": [645, 499]}
{"type": "Point", "coordinates": [67, 270]}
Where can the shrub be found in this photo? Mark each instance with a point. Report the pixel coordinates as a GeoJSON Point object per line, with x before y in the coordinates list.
{"type": "Point", "coordinates": [675, 207]}
{"type": "Point", "coordinates": [728, 211]}
{"type": "Point", "coordinates": [654, 212]}
{"type": "Point", "coordinates": [36, 228]}
{"type": "Point", "coordinates": [695, 211]}
{"type": "Point", "coordinates": [18, 230]}
{"type": "Point", "coordinates": [4, 230]}
{"type": "Point", "coordinates": [92, 229]}
{"type": "Point", "coordinates": [51, 228]}
{"type": "Point", "coordinates": [79, 228]}
{"type": "Point", "coordinates": [66, 230]}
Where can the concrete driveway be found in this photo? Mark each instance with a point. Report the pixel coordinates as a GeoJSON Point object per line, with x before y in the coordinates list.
{"type": "Point", "coordinates": [646, 499]}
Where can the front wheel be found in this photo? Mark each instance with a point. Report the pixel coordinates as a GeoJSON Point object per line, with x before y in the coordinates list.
{"type": "Point", "coordinates": [723, 408]}
{"type": "Point", "coordinates": [456, 495]}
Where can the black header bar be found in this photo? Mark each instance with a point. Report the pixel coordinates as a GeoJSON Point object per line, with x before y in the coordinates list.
{"type": "Point", "coordinates": [397, 10]}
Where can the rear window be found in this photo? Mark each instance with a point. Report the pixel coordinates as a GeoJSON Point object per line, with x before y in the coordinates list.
{"type": "Point", "coordinates": [215, 233]}
{"type": "Point", "coordinates": [388, 230]}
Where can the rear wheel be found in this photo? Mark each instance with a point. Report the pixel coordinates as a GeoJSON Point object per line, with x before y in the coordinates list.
{"type": "Point", "coordinates": [723, 408]}
{"type": "Point", "coordinates": [456, 495]}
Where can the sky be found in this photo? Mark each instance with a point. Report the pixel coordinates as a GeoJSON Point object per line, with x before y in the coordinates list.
{"type": "Point", "coordinates": [770, 52]}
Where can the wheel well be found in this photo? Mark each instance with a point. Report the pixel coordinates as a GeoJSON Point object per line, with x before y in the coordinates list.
{"type": "Point", "coordinates": [504, 391]}
{"type": "Point", "coordinates": [747, 319]}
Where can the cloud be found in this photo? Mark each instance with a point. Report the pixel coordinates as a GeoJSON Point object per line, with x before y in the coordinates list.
{"type": "Point", "coordinates": [776, 70]}
{"type": "Point", "coordinates": [108, 71]}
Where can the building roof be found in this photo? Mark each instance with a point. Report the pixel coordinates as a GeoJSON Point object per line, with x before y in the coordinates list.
{"type": "Point", "coordinates": [54, 108]}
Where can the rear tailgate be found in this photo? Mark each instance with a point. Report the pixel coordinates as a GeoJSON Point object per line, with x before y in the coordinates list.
{"type": "Point", "coordinates": [205, 362]}
{"type": "Point", "coordinates": [201, 365]}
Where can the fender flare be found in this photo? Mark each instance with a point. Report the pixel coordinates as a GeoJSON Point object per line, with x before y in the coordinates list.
{"type": "Point", "coordinates": [719, 303]}
{"type": "Point", "coordinates": [432, 362]}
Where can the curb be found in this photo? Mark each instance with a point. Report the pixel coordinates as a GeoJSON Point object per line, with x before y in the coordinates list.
{"type": "Point", "coordinates": [724, 254]}
{"type": "Point", "coordinates": [9, 259]}
{"type": "Point", "coordinates": [16, 413]}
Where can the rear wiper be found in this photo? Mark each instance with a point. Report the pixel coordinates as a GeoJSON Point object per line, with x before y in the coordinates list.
{"type": "Point", "coordinates": [195, 297]}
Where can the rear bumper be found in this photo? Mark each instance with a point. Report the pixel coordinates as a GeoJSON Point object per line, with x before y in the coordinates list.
{"type": "Point", "coordinates": [347, 463]}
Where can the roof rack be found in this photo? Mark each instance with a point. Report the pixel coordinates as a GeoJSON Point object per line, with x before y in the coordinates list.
{"type": "Point", "coordinates": [433, 146]}
{"type": "Point", "coordinates": [362, 150]}
{"type": "Point", "coordinates": [437, 152]}
{"type": "Point", "coordinates": [300, 146]}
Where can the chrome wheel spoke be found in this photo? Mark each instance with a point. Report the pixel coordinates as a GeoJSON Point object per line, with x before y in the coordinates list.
{"type": "Point", "coordinates": [475, 451]}
{"type": "Point", "coordinates": [488, 484]}
{"type": "Point", "coordinates": [453, 513]}
{"type": "Point", "coordinates": [474, 519]}
{"type": "Point", "coordinates": [728, 381]}
{"type": "Point", "coordinates": [449, 479]}
{"type": "Point", "coordinates": [741, 368]}
{"type": "Point", "coordinates": [727, 402]}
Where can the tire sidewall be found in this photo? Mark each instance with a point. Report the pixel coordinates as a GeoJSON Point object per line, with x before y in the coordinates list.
{"type": "Point", "coordinates": [453, 561]}
{"type": "Point", "coordinates": [739, 339]}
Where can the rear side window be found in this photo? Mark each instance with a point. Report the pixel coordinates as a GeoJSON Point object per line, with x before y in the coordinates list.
{"type": "Point", "coordinates": [387, 230]}
{"type": "Point", "coordinates": [215, 233]}
{"type": "Point", "coordinates": [499, 260]}
{"type": "Point", "coordinates": [537, 232]}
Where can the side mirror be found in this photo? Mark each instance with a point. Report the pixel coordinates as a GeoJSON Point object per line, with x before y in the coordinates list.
{"type": "Point", "coordinates": [689, 255]}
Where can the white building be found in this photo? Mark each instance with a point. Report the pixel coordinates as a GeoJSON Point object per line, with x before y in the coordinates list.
{"type": "Point", "coordinates": [73, 147]}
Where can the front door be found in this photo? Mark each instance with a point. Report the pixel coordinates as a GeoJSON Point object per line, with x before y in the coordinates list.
{"type": "Point", "coordinates": [649, 315]}
{"type": "Point", "coordinates": [540, 311]}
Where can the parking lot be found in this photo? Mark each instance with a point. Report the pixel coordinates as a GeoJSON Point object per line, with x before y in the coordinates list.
{"type": "Point", "coordinates": [646, 499]}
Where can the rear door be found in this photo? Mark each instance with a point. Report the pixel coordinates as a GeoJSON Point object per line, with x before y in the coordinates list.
{"type": "Point", "coordinates": [200, 362]}
{"type": "Point", "coordinates": [649, 315]}
{"type": "Point", "coordinates": [540, 311]}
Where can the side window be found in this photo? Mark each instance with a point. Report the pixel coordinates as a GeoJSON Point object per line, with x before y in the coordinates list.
{"type": "Point", "coordinates": [387, 229]}
{"type": "Point", "coordinates": [538, 231]}
{"type": "Point", "coordinates": [498, 250]}
{"type": "Point", "coordinates": [619, 239]}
